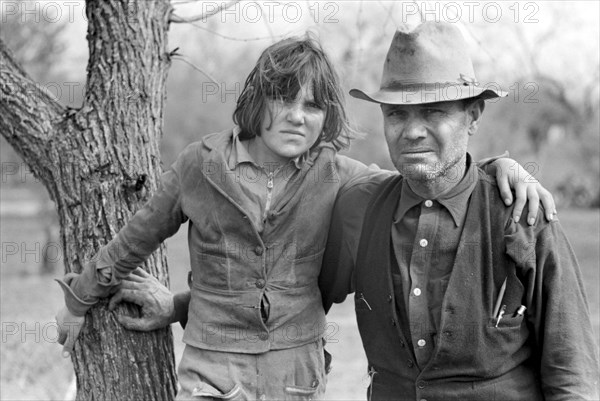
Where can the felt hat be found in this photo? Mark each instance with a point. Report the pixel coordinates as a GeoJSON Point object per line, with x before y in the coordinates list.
{"type": "Point", "coordinates": [429, 64]}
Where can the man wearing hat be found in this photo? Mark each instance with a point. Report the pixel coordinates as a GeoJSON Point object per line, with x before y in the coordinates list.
{"type": "Point", "coordinates": [454, 299]}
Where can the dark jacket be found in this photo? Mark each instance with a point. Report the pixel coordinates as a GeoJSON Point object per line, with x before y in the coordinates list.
{"type": "Point", "coordinates": [550, 353]}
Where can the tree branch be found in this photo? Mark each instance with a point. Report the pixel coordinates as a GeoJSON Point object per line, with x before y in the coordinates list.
{"type": "Point", "coordinates": [30, 117]}
{"type": "Point", "coordinates": [201, 17]}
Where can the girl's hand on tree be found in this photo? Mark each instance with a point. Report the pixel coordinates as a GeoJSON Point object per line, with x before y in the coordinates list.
{"type": "Point", "coordinates": [510, 174]}
{"type": "Point", "coordinates": [69, 326]}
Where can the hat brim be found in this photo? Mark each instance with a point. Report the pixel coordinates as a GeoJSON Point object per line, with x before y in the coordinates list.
{"type": "Point", "coordinates": [421, 94]}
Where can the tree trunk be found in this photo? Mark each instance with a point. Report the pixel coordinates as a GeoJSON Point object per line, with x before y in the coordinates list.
{"type": "Point", "coordinates": [100, 164]}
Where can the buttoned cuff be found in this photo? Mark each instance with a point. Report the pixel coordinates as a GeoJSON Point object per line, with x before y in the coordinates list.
{"type": "Point", "coordinates": [82, 291]}
{"type": "Point", "coordinates": [76, 305]}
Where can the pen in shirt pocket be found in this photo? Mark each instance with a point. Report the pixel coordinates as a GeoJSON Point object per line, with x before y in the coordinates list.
{"type": "Point", "coordinates": [499, 299]}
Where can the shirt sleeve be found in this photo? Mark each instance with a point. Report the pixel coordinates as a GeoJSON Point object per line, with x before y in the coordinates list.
{"type": "Point", "coordinates": [337, 271]}
{"type": "Point", "coordinates": [157, 220]}
{"type": "Point", "coordinates": [557, 311]}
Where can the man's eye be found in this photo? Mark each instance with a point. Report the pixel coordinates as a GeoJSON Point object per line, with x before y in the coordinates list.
{"type": "Point", "coordinates": [432, 112]}
{"type": "Point", "coordinates": [398, 114]}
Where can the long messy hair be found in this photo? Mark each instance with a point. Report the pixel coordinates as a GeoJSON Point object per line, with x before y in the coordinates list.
{"type": "Point", "coordinates": [281, 71]}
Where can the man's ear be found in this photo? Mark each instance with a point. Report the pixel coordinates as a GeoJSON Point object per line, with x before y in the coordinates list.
{"type": "Point", "coordinates": [475, 110]}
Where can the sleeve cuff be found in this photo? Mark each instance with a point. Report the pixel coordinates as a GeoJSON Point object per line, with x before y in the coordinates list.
{"type": "Point", "coordinates": [76, 305]}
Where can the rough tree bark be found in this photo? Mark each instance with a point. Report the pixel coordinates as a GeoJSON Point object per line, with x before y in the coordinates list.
{"type": "Point", "coordinates": [100, 163]}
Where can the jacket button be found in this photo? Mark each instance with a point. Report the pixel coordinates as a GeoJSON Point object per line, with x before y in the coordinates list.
{"type": "Point", "coordinates": [393, 321]}
{"type": "Point", "coordinates": [271, 216]}
{"type": "Point", "coordinates": [258, 250]}
{"type": "Point", "coordinates": [260, 283]}
{"type": "Point", "coordinates": [410, 363]}
{"type": "Point", "coordinates": [390, 298]}
{"type": "Point", "coordinates": [263, 336]}
{"type": "Point", "coordinates": [421, 384]}
{"type": "Point", "coordinates": [402, 343]}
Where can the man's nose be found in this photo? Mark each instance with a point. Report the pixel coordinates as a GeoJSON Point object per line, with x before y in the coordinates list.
{"type": "Point", "coordinates": [414, 129]}
{"type": "Point", "coordinates": [295, 114]}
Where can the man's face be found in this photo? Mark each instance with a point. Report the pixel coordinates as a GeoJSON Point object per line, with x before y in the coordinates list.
{"type": "Point", "coordinates": [427, 141]}
{"type": "Point", "coordinates": [289, 129]}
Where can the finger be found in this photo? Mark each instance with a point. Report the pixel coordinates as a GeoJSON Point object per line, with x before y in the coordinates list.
{"type": "Point", "coordinates": [521, 198]}
{"type": "Point", "coordinates": [130, 323]}
{"type": "Point", "coordinates": [504, 187]}
{"type": "Point", "coordinates": [134, 278]}
{"type": "Point", "coordinates": [548, 202]}
{"type": "Point", "coordinates": [115, 300]}
{"type": "Point", "coordinates": [133, 285]}
{"type": "Point", "coordinates": [62, 336]}
{"type": "Point", "coordinates": [69, 345]}
{"type": "Point", "coordinates": [134, 296]}
{"type": "Point", "coordinates": [534, 204]}
{"type": "Point", "coordinates": [141, 272]}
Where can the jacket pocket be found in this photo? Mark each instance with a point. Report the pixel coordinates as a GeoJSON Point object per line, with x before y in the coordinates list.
{"type": "Point", "coordinates": [208, 392]}
{"type": "Point", "coordinates": [505, 322]}
{"type": "Point", "coordinates": [297, 393]}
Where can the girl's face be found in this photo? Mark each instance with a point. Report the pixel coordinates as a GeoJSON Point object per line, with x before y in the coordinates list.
{"type": "Point", "coordinates": [290, 128]}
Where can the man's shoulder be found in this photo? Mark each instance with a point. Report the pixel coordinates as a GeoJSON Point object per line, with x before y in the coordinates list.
{"type": "Point", "coordinates": [360, 178]}
{"type": "Point", "coordinates": [492, 200]}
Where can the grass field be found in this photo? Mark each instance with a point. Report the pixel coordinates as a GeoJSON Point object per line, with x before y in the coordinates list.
{"type": "Point", "coordinates": [33, 369]}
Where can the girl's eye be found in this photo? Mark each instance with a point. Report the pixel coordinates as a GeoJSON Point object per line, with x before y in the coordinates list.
{"type": "Point", "coordinates": [314, 105]}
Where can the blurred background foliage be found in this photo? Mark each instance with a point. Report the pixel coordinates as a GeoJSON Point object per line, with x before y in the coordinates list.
{"type": "Point", "coordinates": [544, 53]}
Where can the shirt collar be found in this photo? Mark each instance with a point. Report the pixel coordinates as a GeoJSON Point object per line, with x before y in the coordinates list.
{"type": "Point", "coordinates": [239, 153]}
{"type": "Point", "coordinates": [456, 200]}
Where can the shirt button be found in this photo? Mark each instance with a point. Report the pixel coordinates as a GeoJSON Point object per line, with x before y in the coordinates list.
{"type": "Point", "coordinates": [417, 292]}
{"type": "Point", "coordinates": [263, 336]}
{"type": "Point", "coordinates": [423, 243]}
{"type": "Point", "coordinates": [260, 283]}
{"type": "Point", "coordinates": [271, 216]}
{"type": "Point", "coordinates": [421, 384]}
{"type": "Point", "coordinates": [428, 203]}
{"type": "Point", "coordinates": [258, 250]}
{"type": "Point", "coordinates": [421, 343]}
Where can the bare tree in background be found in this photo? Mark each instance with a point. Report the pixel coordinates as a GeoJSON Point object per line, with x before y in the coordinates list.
{"type": "Point", "coordinates": [99, 164]}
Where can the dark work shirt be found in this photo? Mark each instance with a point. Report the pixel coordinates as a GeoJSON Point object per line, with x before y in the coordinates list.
{"type": "Point", "coordinates": [425, 237]}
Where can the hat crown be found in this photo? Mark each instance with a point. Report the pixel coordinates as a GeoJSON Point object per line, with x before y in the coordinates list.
{"type": "Point", "coordinates": [433, 53]}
